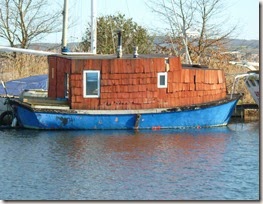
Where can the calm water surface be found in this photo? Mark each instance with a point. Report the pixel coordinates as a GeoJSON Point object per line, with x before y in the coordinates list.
{"type": "Point", "coordinates": [199, 164]}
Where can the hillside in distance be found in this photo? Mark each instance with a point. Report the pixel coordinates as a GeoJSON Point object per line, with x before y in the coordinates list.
{"type": "Point", "coordinates": [247, 46]}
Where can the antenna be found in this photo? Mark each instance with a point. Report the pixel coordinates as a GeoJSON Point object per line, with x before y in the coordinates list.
{"type": "Point", "coordinates": [93, 27]}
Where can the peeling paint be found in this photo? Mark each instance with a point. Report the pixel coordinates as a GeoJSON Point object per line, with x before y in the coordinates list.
{"type": "Point", "coordinates": [63, 120]}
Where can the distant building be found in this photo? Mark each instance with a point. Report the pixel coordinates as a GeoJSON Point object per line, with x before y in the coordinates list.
{"type": "Point", "coordinates": [192, 34]}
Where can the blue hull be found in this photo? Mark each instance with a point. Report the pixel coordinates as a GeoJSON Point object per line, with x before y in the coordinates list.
{"type": "Point", "coordinates": [217, 114]}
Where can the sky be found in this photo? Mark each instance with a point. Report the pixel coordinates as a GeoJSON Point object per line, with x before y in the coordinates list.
{"type": "Point", "coordinates": [245, 13]}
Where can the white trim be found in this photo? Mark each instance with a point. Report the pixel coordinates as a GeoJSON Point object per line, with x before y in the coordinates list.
{"type": "Point", "coordinates": [77, 53]}
{"type": "Point", "coordinates": [84, 84]}
{"type": "Point", "coordinates": [158, 80]}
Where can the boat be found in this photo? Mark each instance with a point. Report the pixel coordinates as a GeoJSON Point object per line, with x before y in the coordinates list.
{"type": "Point", "coordinates": [33, 85]}
{"type": "Point", "coordinates": [98, 92]}
{"type": "Point", "coordinates": [146, 92]}
{"type": "Point", "coordinates": [18, 86]}
{"type": "Point", "coordinates": [251, 79]}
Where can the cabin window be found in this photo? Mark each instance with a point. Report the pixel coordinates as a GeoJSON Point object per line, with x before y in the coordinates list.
{"type": "Point", "coordinates": [91, 84]}
{"type": "Point", "coordinates": [162, 80]}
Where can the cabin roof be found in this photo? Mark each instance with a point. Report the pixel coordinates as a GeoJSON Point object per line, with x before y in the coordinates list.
{"type": "Point", "coordinates": [112, 56]}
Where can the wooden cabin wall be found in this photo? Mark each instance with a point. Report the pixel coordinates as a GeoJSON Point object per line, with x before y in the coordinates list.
{"type": "Point", "coordinates": [52, 77]}
{"type": "Point", "coordinates": [132, 84]}
{"type": "Point", "coordinates": [195, 86]}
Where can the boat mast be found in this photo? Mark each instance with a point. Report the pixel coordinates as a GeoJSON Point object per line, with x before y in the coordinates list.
{"type": "Point", "coordinates": [93, 27]}
{"type": "Point", "coordinates": [65, 27]}
{"type": "Point", "coordinates": [65, 49]}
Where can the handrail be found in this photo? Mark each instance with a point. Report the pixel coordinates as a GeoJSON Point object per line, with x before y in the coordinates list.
{"type": "Point", "coordinates": [237, 79]}
{"type": "Point", "coordinates": [27, 51]}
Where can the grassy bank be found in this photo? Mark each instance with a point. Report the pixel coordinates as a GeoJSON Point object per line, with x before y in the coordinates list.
{"type": "Point", "coordinates": [22, 65]}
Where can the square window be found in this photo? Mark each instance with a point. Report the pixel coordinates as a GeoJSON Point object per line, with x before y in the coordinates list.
{"type": "Point", "coordinates": [162, 80]}
{"type": "Point", "coordinates": [91, 84]}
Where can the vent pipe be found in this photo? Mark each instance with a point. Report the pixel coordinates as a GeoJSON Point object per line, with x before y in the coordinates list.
{"type": "Point", "coordinates": [119, 47]}
{"type": "Point", "coordinates": [135, 52]}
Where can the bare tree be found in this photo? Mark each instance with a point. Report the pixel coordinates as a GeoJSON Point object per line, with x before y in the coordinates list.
{"type": "Point", "coordinates": [210, 33]}
{"type": "Point", "coordinates": [202, 16]}
{"type": "Point", "coordinates": [24, 21]}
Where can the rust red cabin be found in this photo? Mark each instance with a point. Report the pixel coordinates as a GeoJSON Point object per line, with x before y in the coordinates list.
{"type": "Point", "coordinates": [104, 82]}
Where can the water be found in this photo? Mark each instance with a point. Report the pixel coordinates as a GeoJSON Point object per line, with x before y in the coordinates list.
{"type": "Point", "coordinates": [200, 164]}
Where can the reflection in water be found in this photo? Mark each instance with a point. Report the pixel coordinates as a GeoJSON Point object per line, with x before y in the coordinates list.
{"type": "Point", "coordinates": [131, 165]}
{"type": "Point", "coordinates": [133, 145]}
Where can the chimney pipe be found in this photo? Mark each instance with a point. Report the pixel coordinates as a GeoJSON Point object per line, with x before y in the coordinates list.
{"type": "Point", "coordinates": [119, 47]}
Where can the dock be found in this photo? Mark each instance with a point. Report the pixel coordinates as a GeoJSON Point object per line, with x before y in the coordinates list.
{"type": "Point", "coordinates": [248, 112]}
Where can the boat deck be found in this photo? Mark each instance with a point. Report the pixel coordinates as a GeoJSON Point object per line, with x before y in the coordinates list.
{"type": "Point", "coordinates": [46, 103]}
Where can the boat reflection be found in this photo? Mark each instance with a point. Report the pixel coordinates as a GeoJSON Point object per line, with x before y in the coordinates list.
{"type": "Point", "coordinates": [166, 146]}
